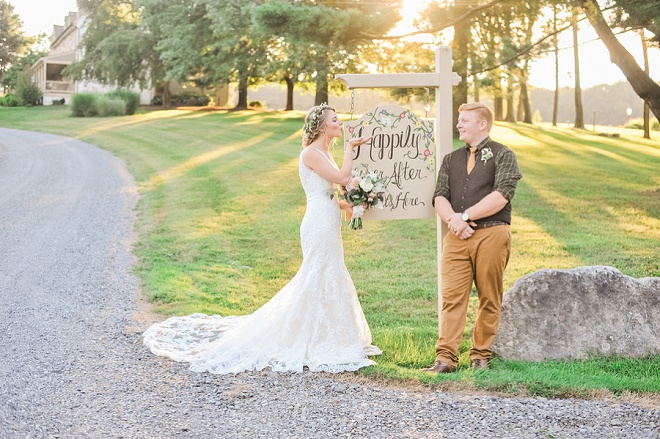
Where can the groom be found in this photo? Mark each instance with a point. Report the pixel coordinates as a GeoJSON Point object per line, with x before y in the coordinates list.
{"type": "Point", "coordinates": [475, 186]}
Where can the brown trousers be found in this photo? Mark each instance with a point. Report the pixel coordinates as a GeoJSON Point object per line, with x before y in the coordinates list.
{"type": "Point", "coordinates": [480, 259]}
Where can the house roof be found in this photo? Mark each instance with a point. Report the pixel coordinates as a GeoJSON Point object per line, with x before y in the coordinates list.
{"type": "Point", "coordinates": [59, 31]}
{"type": "Point", "coordinates": [61, 58]}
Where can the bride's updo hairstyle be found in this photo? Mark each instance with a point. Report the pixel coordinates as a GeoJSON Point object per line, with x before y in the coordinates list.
{"type": "Point", "coordinates": [314, 121]}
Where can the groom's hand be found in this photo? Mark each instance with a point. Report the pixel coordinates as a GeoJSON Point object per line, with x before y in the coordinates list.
{"type": "Point", "coordinates": [459, 227]}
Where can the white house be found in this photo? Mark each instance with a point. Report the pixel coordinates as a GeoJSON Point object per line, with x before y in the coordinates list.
{"type": "Point", "coordinates": [64, 50]}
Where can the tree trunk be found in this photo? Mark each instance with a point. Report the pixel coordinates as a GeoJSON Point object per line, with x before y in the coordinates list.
{"type": "Point", "coordinates": [321, 90]}
{"type": "Point", "coordinates": [524, 98]}
{"type": "Point", "coordinates": [476, 90]}
{"type": "Point", "coordinates": [510, 113]}
{"type": "Point", "coordinates": [643, 85]}
{"type": "Point", "coordinates": [579, 110]}
{"type": "Point", "coordinates": [167, 95]}
{"type": "Point", "coordinates": [460, 54]}
{"type": "Point", "coordinates": [555, 42]}
{"type": "Point", "coordinates": [498, 108]}
{"type": "Point", "coordinates": [289, 92]}
{"type": "Point", "coordinates": [242, 92]}
{"type": "Point", "coordinates": [646, 116]}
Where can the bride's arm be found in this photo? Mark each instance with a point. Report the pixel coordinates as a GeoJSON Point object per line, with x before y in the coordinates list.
{"type": "Point", "coordinates": [316, 161]}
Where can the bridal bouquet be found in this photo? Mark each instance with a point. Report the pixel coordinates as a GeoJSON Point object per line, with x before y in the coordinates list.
{"type": "Point", "coordinates": [366, 189]}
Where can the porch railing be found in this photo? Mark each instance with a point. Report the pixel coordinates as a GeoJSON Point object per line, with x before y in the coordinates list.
{"type": "Point", "coordinates": [59, 86]}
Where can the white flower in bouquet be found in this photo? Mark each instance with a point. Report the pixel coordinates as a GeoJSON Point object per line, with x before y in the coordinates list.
{"type": "Point", "coordinates": [364, 190]}
{"type": "Point", "coordinates": [366, 184]}
{"type": "Point", "coordinates": [358, 211]}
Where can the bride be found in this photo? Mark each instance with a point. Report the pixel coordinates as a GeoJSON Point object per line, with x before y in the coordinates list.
{"type": "Point", "coordinates": [316, 320]}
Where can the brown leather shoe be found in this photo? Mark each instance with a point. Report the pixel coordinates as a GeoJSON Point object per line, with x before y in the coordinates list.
{"type": "Point", "coordinates": [478, 363]}
{"type": "Point", "coordinates": [440, 367]}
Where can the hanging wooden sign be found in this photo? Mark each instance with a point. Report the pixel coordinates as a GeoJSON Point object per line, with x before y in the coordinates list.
{"type": "Point", "coordinates": [403, 151]}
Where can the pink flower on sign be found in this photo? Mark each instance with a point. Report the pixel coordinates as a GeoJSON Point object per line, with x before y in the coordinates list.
{"type": "Point", "coordinates": [427, 153]}
{"type": "Point", "coordinates": [402, 115]}
{"type": "Point", "coordinates": [351, 129]}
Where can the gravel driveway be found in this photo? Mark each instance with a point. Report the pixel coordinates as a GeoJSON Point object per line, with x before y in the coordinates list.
{"type": "Point", "coordinates": [72, 364]}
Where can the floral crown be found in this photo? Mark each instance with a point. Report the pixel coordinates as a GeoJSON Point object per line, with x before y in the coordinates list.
{"type": "Point", "coordinates": [312, 123]}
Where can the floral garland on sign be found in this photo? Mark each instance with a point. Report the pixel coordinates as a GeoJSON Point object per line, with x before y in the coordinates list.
{"type": "Point", "coordinates": [390, 120]}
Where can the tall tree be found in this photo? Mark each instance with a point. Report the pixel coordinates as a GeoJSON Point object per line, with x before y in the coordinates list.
{"type": "Point", "coordinates": [238, 51]}
{"type": "Point", "coordinates": [284, 66]}
{"type": "Point", "coordinates": [116, 49]}
{"type": "Point", "coordinates": [13, 41]}
{"type": "Point", "coordinates": [462, 19]}
{"type": "Point", "coordinates": [635, 14]}
{"type": "Point", "coordinates": [579, 110]}
{"type": "Point", "coordinates": [555, 48]}
{"type": "Point", "coordinates": [460, 55]}
{"type": "Point", "coordinates": [11, 78]}
{"type": "Point", "coordinates": [643, 85]}
{"type": "Point", "coordinates": [182, 33]}
{"type": "Point", "coordinates": [336, 33]}
{"type": "Point", "coordinates": [646, 116]}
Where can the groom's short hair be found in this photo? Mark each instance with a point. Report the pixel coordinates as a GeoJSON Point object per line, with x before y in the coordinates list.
{"type": "Point", "coordinates": [483, 112]}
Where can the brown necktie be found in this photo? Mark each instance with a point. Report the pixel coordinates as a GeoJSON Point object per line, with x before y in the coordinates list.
{"type": "Point", "coordinates": [472, 159]}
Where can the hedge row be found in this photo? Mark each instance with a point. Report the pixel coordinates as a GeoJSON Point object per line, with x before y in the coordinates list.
{"type": "Point", "coordinates": [115, 103]}
{"type": "Point", "coordinates": [187, 99]}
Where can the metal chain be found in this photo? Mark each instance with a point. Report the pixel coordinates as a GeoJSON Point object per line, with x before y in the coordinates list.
{"type": "Point", "coordinates": [427, 107]}
{"type": "Point", "coordinates": [352, 102]}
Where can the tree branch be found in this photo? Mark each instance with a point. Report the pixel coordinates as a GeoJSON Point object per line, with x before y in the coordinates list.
{"type": "Point", "coordinates": [522, 52]}
{"type": "Point", "coordinates": [436, 29]}
{"type": "Point", "coordinates": [643, 85]}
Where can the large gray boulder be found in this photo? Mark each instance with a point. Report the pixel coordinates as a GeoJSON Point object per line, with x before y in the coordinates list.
{"type": "Point", "coordinates": [572, 314]}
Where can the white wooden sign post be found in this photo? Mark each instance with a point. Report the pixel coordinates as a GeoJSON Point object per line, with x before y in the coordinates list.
{"type": "Point", "coordinates": [442, 81]}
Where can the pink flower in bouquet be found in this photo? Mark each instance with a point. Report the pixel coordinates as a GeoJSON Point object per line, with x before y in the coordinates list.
{"type": "Point", "coordinates": [353, 183]}
{"type": "Point", "coordinates": [364, 190]}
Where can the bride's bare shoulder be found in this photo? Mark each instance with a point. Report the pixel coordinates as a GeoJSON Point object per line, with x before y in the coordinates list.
{"type": "Point", "coordinates": [312, 156]}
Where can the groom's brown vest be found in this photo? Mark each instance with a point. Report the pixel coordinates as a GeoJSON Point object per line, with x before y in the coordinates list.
{"type": "Point", "coordinates": [466, 191]}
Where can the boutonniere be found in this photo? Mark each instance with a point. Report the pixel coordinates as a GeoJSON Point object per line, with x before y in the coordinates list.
{"type": "Point", "coordinates": [486, 154]}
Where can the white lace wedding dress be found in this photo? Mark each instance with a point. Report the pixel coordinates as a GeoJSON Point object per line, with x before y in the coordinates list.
{"type": "Point", "coordinates": [315, 321]}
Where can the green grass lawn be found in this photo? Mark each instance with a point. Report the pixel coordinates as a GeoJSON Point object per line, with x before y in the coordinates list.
{"type": "Point", "coordinates": [221, 203]}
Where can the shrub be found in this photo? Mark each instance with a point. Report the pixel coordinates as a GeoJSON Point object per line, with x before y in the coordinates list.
{"type": "Point", "coordinates": [203, 100]}
{"type": "Point", "coordinates": [131, 99]}
{"type": "Point", "coordinates": [190, 99]}
{"type": "Point", "coordinates": [106, 106]}
{"type": "Point", "coordinates": [639, 124]}
{"type": "Point", "coordinates": [27, 92]}
{"type": "Point", "coordinates": [9, 101]}
{"type": "Point", "coordinates": [255, 104]}
{"type": "Point", "coordinates": [84, 105]}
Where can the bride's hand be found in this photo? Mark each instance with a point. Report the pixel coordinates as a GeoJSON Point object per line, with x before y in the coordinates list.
{"type": "Point", "coordinates": [358, 141]}
{"type": "Point", "coordinates": [343, 205]}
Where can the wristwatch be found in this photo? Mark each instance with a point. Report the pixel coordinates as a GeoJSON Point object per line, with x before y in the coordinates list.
{"type": "Point", "coordinates": [465, 216]}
